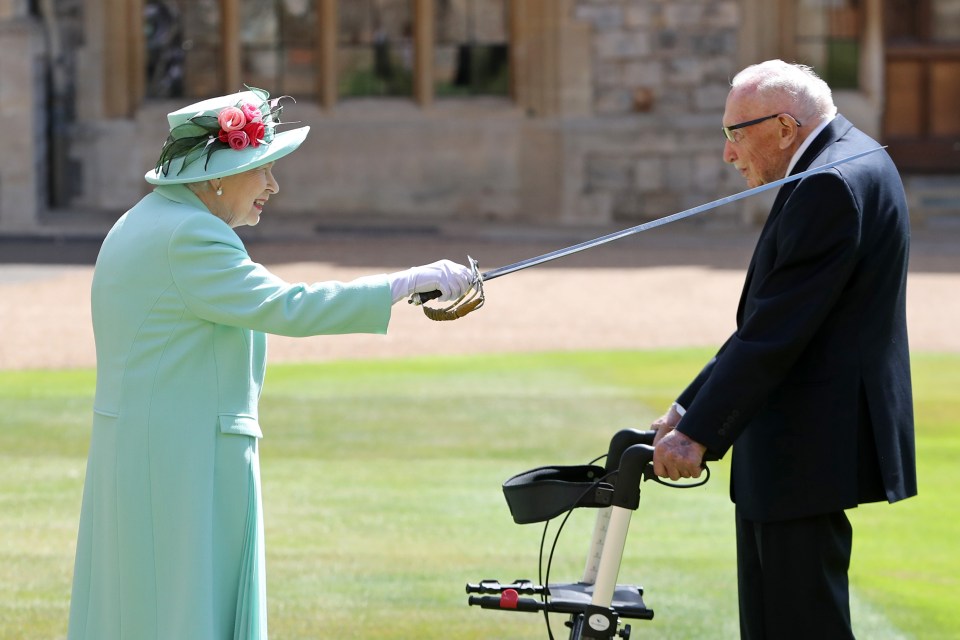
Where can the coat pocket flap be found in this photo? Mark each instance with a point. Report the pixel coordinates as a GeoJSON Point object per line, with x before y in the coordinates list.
{"type": "Point", "coordinates": [240, 425]}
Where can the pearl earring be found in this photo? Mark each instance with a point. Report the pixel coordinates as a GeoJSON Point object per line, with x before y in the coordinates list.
{"type": "Point", "coordinates": [220, 190]}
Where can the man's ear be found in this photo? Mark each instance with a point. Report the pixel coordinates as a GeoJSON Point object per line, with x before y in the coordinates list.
{"type": "Point", "coordinates": [789, 131]}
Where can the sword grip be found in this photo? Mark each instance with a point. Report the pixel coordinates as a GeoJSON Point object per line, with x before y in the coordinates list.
{"type": "Point", "coordinates": [420, 298]}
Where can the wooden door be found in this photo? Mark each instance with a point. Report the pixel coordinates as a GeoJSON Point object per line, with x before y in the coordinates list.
{"type": "Point", "coordinates": [921, 121]}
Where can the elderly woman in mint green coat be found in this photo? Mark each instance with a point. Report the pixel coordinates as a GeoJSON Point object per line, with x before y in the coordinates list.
{"type": "Point", "coordinates": [171, 542]}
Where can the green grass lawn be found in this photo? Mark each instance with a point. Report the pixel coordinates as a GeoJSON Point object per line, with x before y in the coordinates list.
{"type": "Point", "coordinates": [382, 499]}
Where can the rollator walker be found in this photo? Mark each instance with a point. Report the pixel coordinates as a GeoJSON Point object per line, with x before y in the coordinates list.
{"type": "Point", "coordinates": [596, 604]}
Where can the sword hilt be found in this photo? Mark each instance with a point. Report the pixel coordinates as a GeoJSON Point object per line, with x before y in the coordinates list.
{"type": "Point", "coordinates": [420, 298]}
{"type": "Point", "coordinates": [426, 296]}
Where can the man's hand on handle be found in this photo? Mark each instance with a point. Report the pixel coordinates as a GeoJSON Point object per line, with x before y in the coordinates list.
{"type": "Point", "coordinates": [675, 455]}
{"type": "Point", "coordinates": [666, 423]}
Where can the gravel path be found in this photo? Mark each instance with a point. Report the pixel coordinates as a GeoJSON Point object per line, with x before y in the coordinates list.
{"type": "Point", "coordinates": [665, 288]}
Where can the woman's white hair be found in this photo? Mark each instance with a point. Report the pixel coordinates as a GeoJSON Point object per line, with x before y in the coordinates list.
{"type": "Point", "coordinates": [798, 83]}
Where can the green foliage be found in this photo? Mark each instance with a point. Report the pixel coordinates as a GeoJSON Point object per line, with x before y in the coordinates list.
{"type": "Point", "coordinates": [382, 498]}
{"type": "Point", "coordinates": [366, 82]}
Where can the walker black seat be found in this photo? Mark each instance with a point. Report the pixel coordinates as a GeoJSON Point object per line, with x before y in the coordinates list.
{"type": "Point", "coordinates": [544, 493]}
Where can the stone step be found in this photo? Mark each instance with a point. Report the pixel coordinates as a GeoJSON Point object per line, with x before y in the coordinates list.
{"type": "Point", "coordinates": [934, 200]}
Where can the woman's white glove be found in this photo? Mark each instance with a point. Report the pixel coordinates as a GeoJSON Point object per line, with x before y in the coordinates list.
{"type": "Point", "coordinates": [452, 280]}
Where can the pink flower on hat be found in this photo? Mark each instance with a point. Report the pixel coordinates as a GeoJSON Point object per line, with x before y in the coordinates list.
{"type": "Point", "coordinates": [252, 113]}
{"type": "Point", "coordinates": [238, 140]}
{"type": "Point", "coordinates": [231, 119]}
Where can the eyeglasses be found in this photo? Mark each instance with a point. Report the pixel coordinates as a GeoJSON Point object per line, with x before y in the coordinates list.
{"type": "Point", "coordinates": [728, 132]}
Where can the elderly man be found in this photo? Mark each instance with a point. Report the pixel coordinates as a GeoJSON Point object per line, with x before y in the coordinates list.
{"type": "Point", "coordinates": [813, 389]}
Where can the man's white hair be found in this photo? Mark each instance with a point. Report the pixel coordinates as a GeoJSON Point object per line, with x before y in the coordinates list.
{"type": "Point", "coordinates": [799, 83]}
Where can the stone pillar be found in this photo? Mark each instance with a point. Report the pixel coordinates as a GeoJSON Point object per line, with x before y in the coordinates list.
{"type": "Point", "coordinates": [551, 59]}
{"type": "Point", "coordinates": [23, 163]}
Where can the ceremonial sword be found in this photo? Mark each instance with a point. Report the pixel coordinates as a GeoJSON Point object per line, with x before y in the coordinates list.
{"type": "Point", "coordinates": [420, 298]}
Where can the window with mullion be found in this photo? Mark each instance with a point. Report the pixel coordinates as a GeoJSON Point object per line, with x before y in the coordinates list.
{"type": "Point", "coordinates": [184, 42]}
{"type": "Point", "coordinates": [471, 54]}
{"type": "Point", "coordinates": [946, 21]}
{"type": "Point", "coordinates": [278, 47]}
{"type": "Point", "coordinates": [182, 38]}
{"type": "Point", "coordinates": [375, 48]}
{"type": "Point", "coordinates": [828, 34]}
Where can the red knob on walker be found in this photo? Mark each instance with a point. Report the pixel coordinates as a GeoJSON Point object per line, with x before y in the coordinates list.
{"type": "Point", "coordinates": [509, 598]}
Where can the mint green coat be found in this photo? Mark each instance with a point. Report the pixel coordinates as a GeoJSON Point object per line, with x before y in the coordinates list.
{"type": "Point", "coordinates": [170, 544]}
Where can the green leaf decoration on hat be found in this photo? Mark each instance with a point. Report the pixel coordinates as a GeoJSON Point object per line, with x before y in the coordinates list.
{"type": "Point", "coordinates": [196, 152]}
{"type": "Point", "coordinates": [191, 129]}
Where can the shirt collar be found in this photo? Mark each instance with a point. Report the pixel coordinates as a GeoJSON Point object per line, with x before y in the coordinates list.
{"type": "Point", "coordinates": [806, 143]}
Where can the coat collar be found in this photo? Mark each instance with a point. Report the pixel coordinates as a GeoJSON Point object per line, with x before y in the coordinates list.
{"type": "Point", "coordinates": [837, 128]}
{"type": "Point", "coordinates": [180, 193]}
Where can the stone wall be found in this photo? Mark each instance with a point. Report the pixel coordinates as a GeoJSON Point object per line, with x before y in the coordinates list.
{"type": "Point", "coordinates": [23, 163]}
{"type": "Point", "coordinates": [661, 73]}
{"type": "Point", "coordinates": [616, 119]}
{"type": "Point", "coordinates": [633, 133]}
{"type": "Point", "coordinates": [661, 56]}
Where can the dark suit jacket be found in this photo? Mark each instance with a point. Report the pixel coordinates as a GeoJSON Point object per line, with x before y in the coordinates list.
{"type": "Point", "coordinates": [813, 389]}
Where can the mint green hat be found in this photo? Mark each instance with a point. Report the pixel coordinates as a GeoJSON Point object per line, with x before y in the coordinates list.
{"type": "Point", "coordinates": [223, 136]}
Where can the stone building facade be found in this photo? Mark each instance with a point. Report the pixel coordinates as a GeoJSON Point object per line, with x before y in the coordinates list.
{"type": "Point", "coordinates": [611, 113]}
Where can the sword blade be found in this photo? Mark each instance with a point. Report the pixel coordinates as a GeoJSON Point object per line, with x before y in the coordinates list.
{"type": "Point", "coordinates": [646, 226]}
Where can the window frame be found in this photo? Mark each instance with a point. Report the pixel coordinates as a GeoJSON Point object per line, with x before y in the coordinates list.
{"type": "Point", "coordinates": [126, 45]}
{"type": "Point", "coordinates": [791, 40]}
